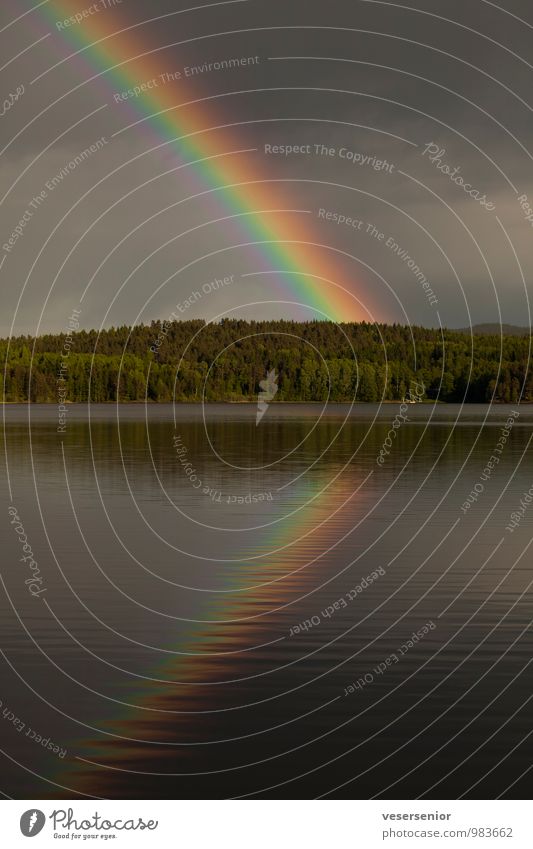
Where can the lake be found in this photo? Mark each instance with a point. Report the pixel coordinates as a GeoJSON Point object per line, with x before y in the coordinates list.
{"type": "Point", "coordinates": [330, 602]}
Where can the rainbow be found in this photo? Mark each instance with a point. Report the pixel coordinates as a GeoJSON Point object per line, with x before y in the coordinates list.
{"type": "Point", "coordinates": [310, 272]}
{"type": "Point", "coordinates": [287, 244]}
{"type": "Point", "coordinates": [171, 701]}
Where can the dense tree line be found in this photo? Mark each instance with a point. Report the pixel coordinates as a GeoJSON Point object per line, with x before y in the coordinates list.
{"type": "Point", "coordinates": [226, 362]}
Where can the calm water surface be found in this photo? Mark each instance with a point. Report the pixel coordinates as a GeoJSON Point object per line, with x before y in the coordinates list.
{"type": "Point", "coordinates": [227, 609]}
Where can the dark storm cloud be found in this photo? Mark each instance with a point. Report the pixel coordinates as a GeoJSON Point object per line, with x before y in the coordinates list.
{"type": "Point", "coordinates": [370, 72]}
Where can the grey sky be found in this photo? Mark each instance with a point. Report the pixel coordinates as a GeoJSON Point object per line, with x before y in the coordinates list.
{"type": "Point", "coordinates": [375, 78]}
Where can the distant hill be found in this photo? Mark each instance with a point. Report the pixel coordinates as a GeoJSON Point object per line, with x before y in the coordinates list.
{"type": "Point", "coordinates": [495, 330]}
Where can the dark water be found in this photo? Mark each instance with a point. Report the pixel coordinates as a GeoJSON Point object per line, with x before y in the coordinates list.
{"type": "Point", "coordinates": [161, 653]}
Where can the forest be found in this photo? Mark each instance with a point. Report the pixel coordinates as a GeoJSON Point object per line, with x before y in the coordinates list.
{"type": "Point", "coordinates": [313, 361]}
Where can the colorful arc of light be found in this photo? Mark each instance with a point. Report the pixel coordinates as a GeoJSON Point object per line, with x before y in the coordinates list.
{"type": "Point", "coordinates": [211, 652]}
{"type": "Point", "coordinates": [286, 242]}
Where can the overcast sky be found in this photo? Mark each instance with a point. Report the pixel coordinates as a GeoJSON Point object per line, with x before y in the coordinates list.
{"type": "Point", "coordinates": [376, 78]}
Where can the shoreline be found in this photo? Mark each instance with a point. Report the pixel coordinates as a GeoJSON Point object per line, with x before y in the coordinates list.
{"type": "Point", "coordinates": [425, 403]}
